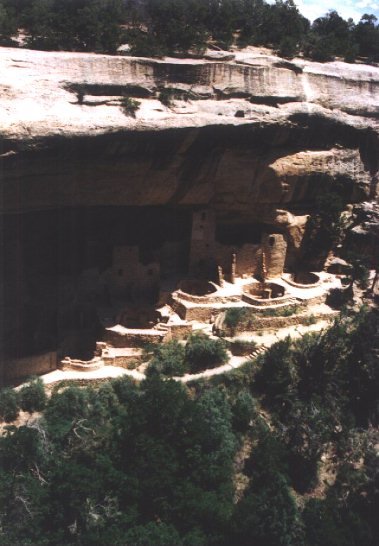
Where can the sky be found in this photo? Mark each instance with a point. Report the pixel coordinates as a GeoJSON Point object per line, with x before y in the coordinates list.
{"type": "Point", "coordinates": [346, 8]}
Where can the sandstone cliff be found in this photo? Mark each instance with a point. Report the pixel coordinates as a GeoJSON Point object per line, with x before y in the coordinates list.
{"type": "Point", "coordinates": [255, 140]}
{"type": "Point", "coordinates": [256, 130]}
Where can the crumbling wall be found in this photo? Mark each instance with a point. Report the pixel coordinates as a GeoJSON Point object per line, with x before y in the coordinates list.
{"type": "Point", "coordinates": [124, 337]}
{"type": "Point", "coordinates": [128, 274]}
{"type": "Point", "coordinates": [18, 368]}
{"type": "Point", "coordinates": [247, 258]}
{"type": "Point", "coordinates": [274, 247]}
{"type": "Point", "coordinates": [201, 259]}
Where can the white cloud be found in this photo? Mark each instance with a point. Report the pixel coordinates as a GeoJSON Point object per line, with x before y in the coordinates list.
{"type": "Point", "coordinates": [346, 8]}
{"type": "Point", "coordinates": [368, 4]}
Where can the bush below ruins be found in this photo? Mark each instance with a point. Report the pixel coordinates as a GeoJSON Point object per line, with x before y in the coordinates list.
{"type": "Point", "coordinates": [242, 347]}
{"type": "Point", "coordinates": [168, 360]}
{"type": "Point", "coordinates": [203, 353]}
{"type": "Point", "coordinates": [238, 459]}
{"type": "Point", "coordinates": [200, 353]}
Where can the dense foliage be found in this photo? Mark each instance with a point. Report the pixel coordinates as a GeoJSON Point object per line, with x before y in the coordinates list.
{"type": "Point", "coordinates": [199, 353]}
{"type": "Point", "coordinates": [161, 27]}
{"type": "Point", "coordinates": [155, 464]}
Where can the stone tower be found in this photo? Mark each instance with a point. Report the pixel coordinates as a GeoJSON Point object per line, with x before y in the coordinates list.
{"type": "Point", "coordinates": [274, 247]}
{"type": "Point", "coordinates": [202, 243]}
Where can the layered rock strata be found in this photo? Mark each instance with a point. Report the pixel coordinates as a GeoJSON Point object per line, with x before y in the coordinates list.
{"type": "Point", "coordinates": [87, 179]}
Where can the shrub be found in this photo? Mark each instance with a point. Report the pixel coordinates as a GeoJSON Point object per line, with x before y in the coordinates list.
{"type": "Point", "coordinates": [168, 95]}
{"type": "Point", "coordinates": [130, 106]}
{"type": "Point", "coordinates": [281, 311]}
{"type": "Point", "coordinates": [233, 316]}
{"type": "Point", "coordinates": [33, 396]}
{"type": "Point", "coordinates": [243, 411]}
{"type": "Point", "coordinates": [287, 47]}
{"type": "Point", "coordinates": [169, 359]}
{"type": "Point", "coordinates": [201, 352]}
{"type": "Point", "coordinates": [242, 347]}
{"type": "Point", "coordinates": [310, 320]}
{"type": "Point", "coordinates": [9, 407]}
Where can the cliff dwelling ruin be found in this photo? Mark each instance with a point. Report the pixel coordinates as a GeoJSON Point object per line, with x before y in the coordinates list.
{"type": "Point", "coordinates": [118, 231]}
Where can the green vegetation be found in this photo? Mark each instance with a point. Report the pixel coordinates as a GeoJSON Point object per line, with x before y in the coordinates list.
{"type": "Point", "coordinates": [177, 27]}
{"type": "Point", "coordinates": [320, 384]}
{"type": "Point", "coordinates": [32, 396]}
{"type": "Point", "coordinates": [73, 25]}
{"type": "Point", "coordinates": [203, 353]}
{"type": "Point", "coordinates": [200, 353]}
{"type": "Point", "coordinates": [129, 106]}
{"type": "Point", "coordinates": [9, 405]}
{"type": "Point", "coordinates": [324, 229]}
{"type": "Point", "coordinates": [234, 316]}
{"type": "Point", "coordinates": [242, 347]}
{"type": "Point", "coordinates": [283, 311]}
{"type": "Point", "coordinates": [154, 464]}
{"type": "Point", "coordinates": [311, 319]}
{"type": "Point", "coordinates": [168, 360]}
{"type": "Point", "coordinates": [168, 95]}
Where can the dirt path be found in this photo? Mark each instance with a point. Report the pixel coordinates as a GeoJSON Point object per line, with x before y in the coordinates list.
{"type": "Point", "coordinates": [109, 372]}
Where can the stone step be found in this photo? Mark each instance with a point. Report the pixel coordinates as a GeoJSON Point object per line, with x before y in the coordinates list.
{"type": "Point", "coordinates": [162, 327]}
{"type": "Point", "coordinates": [258, 351]}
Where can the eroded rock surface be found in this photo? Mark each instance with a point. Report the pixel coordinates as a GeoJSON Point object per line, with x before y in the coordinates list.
{"type": "Point", "coordinates": [62, 113]}
{"type": "Point", "coordinates": [249, 142]}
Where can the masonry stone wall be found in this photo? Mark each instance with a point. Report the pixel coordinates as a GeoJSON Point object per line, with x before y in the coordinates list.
{"type": "Point", "coordinates": [180, 331]}
{"type": "Point", "coordinates": [18, 368]}
{"type": "Point", "coordinates": [274, 247]}
{"type": "Point", "coordinates": [201, 259]}
{"type": "Point", "coordinates": [129, 274]}
{"type": "Point", "coordinates": [132, 338]}
{"type": "Point", "coordinates": [126, 362]}
{"type": "Point", "coordinates": [247, 258]}
{"type": "Point", "coordinates": [273, 323]}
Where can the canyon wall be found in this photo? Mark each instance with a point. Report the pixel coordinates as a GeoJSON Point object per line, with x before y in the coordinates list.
{"type": "Point", "coordinates": [255, 141]}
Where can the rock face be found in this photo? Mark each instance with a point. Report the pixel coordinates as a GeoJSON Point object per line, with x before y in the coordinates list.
{"type": "Point", "coordinates": [253, 139]}
{"type": "Point", "coordinates": [61, 113]}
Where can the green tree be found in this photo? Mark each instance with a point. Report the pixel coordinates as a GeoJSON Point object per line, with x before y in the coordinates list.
{"type": "Point", "coordinates": [9, 405]}
{"type": "Point", "coordinates": [202, 352]}
{"type": "Point", "coordinates": [244, 409]}
{"type": "Point", "coordinates": [367, 37]}
{"type": "Point", "coordinates": [33, 396]}
{"type": "Point", "coordinates": [76, 25]}
{"type": "Point", "coordinates": [153, 534]}
{"type": "Point", "coordinates": [9, 22]}
{"type": "Point", "coordinates": [176, 26]}
{"type": "Point", "coordinates": [168, 359]}
{"type": "Point", "coordinates": [331, 35]}
{"type": "Point", "coordinates": [277, 377]}
{"type": "Point", "coordinates": [267, 515]}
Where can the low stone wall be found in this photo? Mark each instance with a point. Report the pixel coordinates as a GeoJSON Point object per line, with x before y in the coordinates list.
{"type": "Point", "coordinates": [18, 368]}
{"type": "Point", "coordinates": [132, 338]}
{"type": "Point", "coordinates": [209, 298]}
{"type": "Point", "coordinates": [201, 314]}
{"type": "Point", "coordinates": [180, 331]}
{"type": "Point", "coordinates": [274, 323]}
{"type": "Point", "coordinates": [290, 281]}
{"type": "Point", "coordinates": [252, 300]}
{"type": "Point", "coordinates": [81, 365]}
{"type": "Point", "coordinates": [126, 359]}
{"type": "Point", "coordinates": [317, 300]}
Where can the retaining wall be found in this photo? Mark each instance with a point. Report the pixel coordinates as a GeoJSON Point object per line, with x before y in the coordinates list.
{"type": "Point", "coordinates": [17, 368]}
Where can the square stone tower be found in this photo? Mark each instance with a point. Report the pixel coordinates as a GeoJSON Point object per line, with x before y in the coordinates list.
{"type": "Point", "coordinates": [202, 243]}
{"type": "Point", "coordinates": [274, 247]}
